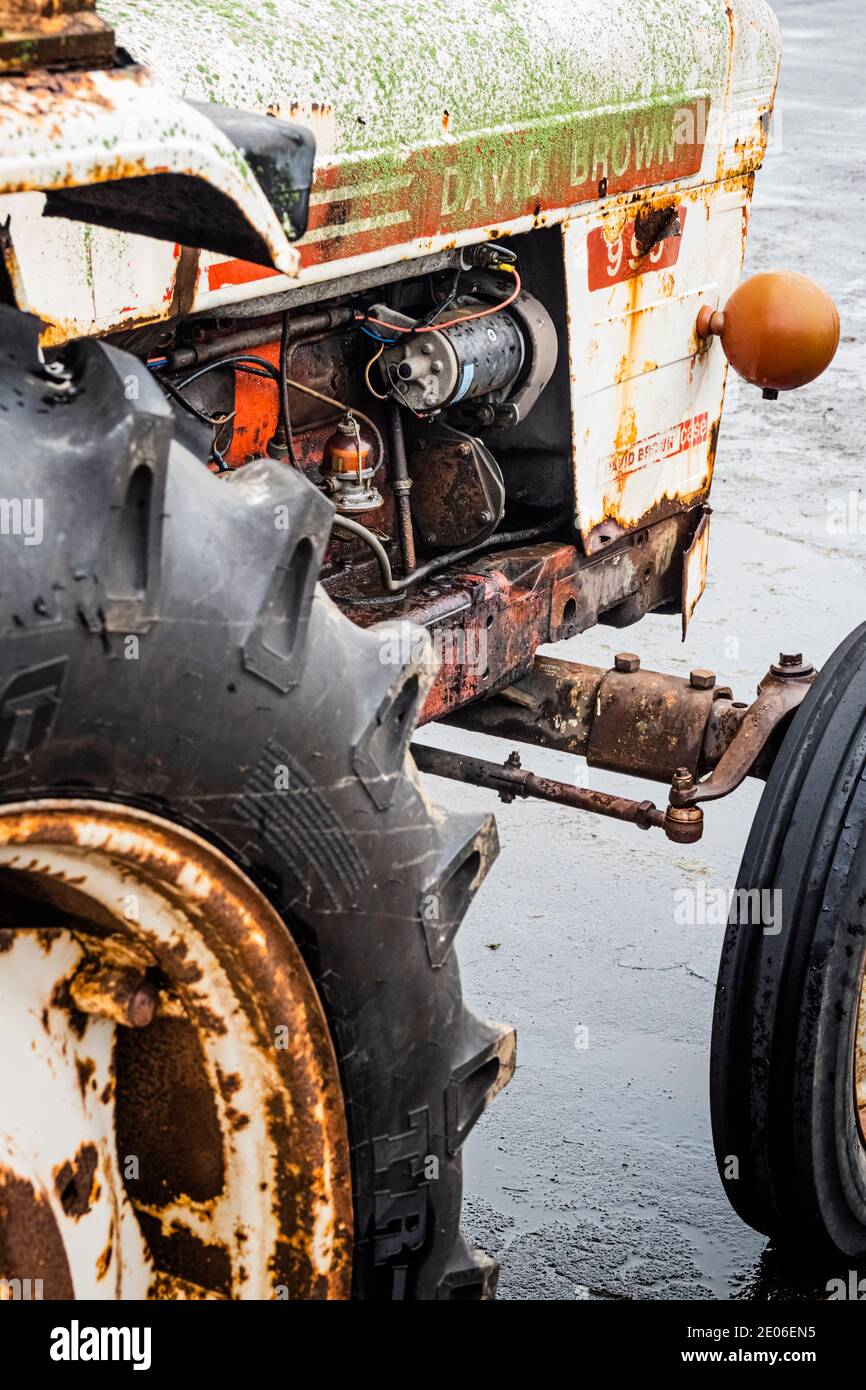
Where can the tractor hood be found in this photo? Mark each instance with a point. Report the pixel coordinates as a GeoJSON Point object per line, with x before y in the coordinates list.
{"type": "Point", "coordinates": [437, 125]}
{"type": "Point", "coordinates": [441, 117]}
{"type": "Point", "coordinates": [378, 76]}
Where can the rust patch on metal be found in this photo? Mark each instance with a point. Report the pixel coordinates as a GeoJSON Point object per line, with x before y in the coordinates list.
{"type": "Point", "coordinates": [648, 724]}
{"type": "Point", "coordinates": [85, 1068]}
{"type": "Point", "coordinates": [695, 567]}
{"type": "Point", "coordinates": [30, 1244]}
{"type": "Point", "coordinates": [53, 34]}
{"type": "Point", "coordinates": [166, 1115]}
{"type": "Point", "coordinates": [492, 615]}
{"type": "Point", "coordinates": [185, 282]}
{"type": "Point", "coordinates": [75, 1183]}
{"type": "Point", "coordinates": [181, 1254]}
{"type": "Point", "coordinates": [61, 999]}
{"type": "Point", "coordinates": [103, 1263]}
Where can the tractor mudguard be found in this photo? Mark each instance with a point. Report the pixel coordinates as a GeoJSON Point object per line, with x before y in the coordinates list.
{"type": "Point", "coordinates": [115, 148]}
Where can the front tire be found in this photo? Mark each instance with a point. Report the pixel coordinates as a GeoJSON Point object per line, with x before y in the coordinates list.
{"type": "Point", "coordinates": [788, 1066]}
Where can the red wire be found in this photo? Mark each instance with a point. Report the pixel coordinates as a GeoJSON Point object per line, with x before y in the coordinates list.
{"type": "Point", "coordinates": [452, 323]}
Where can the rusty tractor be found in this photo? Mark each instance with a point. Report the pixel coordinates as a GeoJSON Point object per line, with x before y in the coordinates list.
{"type": "Point", "coordinates": [335, 380]}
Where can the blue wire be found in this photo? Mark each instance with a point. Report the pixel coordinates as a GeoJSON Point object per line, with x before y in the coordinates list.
{"type": "Point", "coordinates": [375, 336]}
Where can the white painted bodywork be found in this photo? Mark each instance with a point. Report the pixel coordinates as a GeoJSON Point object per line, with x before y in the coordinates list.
{"type": "Point", "coordinates": [646, 392]}
{"type": "Point", "coordinates": [420, 120]}
{"type": "Point", "coordinates": [112, 124]}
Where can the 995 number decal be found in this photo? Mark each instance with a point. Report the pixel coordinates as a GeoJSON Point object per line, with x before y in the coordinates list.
{"type": "Point", "coordinates": [613, 262]}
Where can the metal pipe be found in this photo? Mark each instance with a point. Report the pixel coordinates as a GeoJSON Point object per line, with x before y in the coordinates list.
{"type": "Point", "coordinates": [305, 325]}
{"type": "Point", "coordinates": [509, 779]}
{"type": "Point", "coordinates": [402, 486]}
{"type": "Point", "coordinates": [499, 541]}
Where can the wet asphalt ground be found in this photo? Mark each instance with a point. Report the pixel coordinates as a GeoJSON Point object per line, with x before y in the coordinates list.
{"type": "Point", "coordinates": [592, 1175]}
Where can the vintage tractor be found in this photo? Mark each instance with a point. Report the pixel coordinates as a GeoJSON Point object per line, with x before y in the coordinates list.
{"type": "Point", "coordinates": [349, 352]}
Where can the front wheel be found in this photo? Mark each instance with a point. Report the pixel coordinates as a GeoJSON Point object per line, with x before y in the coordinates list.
{"type": "Point", "coordinates": [788, 1066]}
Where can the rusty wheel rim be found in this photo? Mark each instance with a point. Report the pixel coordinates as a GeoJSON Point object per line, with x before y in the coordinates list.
{"type": "Point", "coordinates": [172, 1123]}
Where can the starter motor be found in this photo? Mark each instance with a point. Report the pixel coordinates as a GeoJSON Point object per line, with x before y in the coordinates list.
{"type": "Point", "coordinates": [482, 357]}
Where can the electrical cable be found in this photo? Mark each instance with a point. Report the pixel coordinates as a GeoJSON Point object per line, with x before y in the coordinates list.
{"type": "Point", "coordinates": [370, 387]}
{"type": "Point", "coordinates": [284, 389]}
{"type": "Point", "coordinates": [251, 364]}
{"type": "Point", "coordinates": [240, 360]}
{"type": "Point", "coordinates": [375, 336]}
{"type": "Point", "coordinates": [430, 320]}
{"type": "Point", "coordinates": [175, 393]}
{"type": "Point", "coordinates": [452, 323]}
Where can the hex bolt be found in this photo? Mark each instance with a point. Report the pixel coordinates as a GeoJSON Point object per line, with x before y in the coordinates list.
{"type": "Point", "coordinates": [791, 666]}
{"type": "Point", "coordinates": [427, 349]}
{"type": "Point", "coordinates": [506, 794]}
{"type": "Point", "coordinates": [464, 450]}
{"type": "Point", "coordinates": [683, 781]}
{"type": "Point", "coordinates": [626, 662]}
{"type": "Point", "coordinates": [701, 679]}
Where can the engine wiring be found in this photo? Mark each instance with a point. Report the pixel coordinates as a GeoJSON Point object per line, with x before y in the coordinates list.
{"type": "Point", "coordinates": [254, 365]}
{"type": "Point", "coordinates": [380, 396]}
{"type": "Point", "coordinates": [432, 327]}
{"type": "Point", "coordinates": [428, 324]}
{"type": "Point", "coordinates": [175, 393]}
{"type": "Point", "coordinates": [260, 366]}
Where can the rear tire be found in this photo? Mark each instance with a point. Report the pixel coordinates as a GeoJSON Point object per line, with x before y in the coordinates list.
{"type": "Point", "coordinates": [166, 645]}
{"type": "Point", "coordinates": [787, 1045]}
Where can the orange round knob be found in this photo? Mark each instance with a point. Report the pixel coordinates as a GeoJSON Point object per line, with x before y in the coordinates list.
{"type": "Point", "coordinates": [778, 330]}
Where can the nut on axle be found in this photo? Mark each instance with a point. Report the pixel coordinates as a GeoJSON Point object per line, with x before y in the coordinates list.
{"type": "Point", "coordinates": [119, 993]}
{"type": "Point", "coordinates": [684, 825]}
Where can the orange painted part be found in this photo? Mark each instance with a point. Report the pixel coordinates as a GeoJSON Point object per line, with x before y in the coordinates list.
{"type": "Point", "coordinates": [612, 263]}
{"type": "Point", "coordinates": [236, 273]}
{"type": "Point", "coordinates": [360, 208]}
{"type": "Point", "coordinates": [779, 330]}
{"type": "Point", "coordinates": [257, 410]}
{"type": "Point", "coordinates": [436, 191]}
